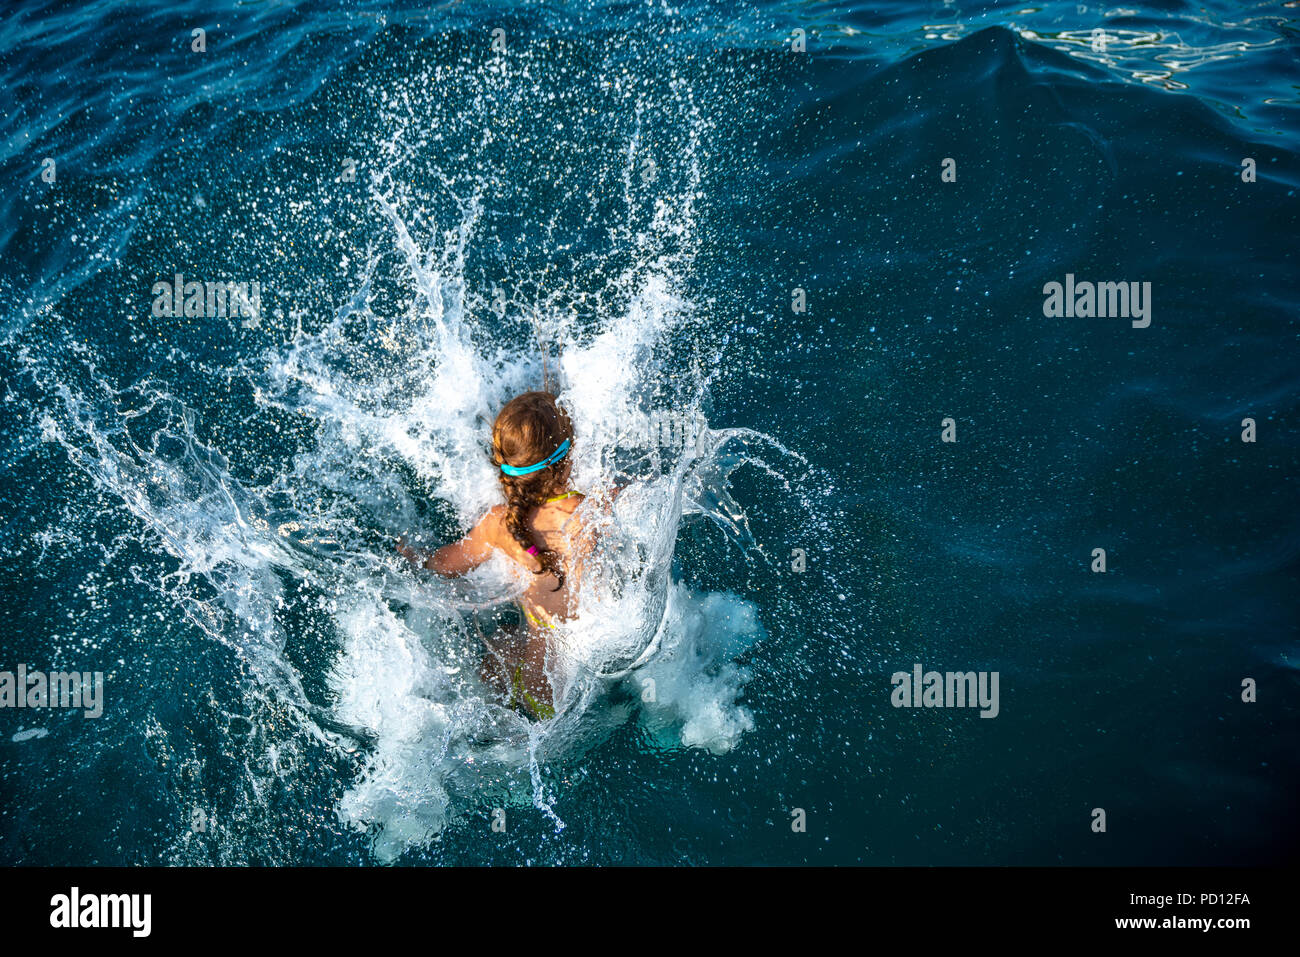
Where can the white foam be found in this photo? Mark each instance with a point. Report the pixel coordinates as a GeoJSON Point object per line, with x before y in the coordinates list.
{"type": "Point", "coordinates": [413, 394]}
{"type": "Point", "coordinates": [634, 623]}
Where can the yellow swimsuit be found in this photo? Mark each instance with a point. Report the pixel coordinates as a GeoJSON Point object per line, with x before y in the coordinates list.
{"type": "Point", "coordinates": [519, 692]}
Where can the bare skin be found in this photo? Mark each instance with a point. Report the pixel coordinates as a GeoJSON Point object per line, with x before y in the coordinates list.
{"type": "Point", "coordinates": [524, 651]}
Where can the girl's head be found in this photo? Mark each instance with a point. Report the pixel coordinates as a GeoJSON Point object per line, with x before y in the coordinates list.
{"type": "Point", "coordinates": [530, 430]}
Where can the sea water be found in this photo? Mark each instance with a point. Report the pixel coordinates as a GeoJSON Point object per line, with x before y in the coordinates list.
{"type": "Point", "coordinates": [724, 237]}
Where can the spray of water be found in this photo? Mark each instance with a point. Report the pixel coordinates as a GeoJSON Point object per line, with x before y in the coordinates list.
{"type": "Point", "coordinates": [393, 409]}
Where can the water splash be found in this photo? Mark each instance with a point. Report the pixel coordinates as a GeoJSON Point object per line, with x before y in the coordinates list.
{"type": "Point", "coordinates": [380, 418]}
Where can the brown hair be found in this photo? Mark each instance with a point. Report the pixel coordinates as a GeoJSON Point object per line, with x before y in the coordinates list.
{"type": "Point", "coordinates": [528, 429]}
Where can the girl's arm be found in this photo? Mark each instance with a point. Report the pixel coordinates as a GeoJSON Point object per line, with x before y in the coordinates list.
{"type": "Point", "coordinates": [458, 557]}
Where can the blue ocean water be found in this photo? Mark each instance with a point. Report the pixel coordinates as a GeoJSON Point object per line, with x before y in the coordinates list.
{"type": "Point", "coordinates": [699, 212]}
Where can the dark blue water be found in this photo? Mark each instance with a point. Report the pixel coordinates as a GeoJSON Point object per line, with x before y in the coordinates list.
{"type": "Point", "coordinates": [202, 507]}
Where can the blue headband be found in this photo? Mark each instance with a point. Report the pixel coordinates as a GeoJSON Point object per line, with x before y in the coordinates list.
{"type": "Point", "coordinates": [551, 459]}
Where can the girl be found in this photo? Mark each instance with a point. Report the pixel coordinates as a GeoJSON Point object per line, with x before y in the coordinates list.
{"type": "Point", "coordinates": [537, 528]}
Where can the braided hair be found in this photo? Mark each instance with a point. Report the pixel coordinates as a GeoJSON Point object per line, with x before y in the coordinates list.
{"type": "Point", "coordinates": [528, 429]}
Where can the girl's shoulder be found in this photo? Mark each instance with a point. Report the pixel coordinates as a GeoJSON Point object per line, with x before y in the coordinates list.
{"type": "Point", "coordinates": [494, 522]}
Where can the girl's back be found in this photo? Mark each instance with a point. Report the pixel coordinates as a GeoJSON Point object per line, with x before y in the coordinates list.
{"type": "Point", "coordinates": [556, 527]}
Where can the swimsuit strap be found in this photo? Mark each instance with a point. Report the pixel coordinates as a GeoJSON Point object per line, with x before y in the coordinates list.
{"type": "Point", "coordinates": [556, 498]}
{"type": "Point", "coordinates": [519, 690]}
{"type": "Point", "coordinates": [538, 621]}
